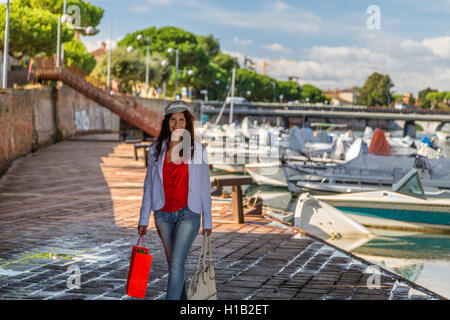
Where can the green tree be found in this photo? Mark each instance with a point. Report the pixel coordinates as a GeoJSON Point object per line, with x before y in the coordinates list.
{"type": "Point", "coordinates": [32, 30]}
{"type": "Point", "coordinates": [312, 93]}
{"type": "Point", "coordinates": [438, 99]}
{"type": "Point", "coordinates": [90, 15]}
{"type": "Point", "coordinates": [424, 103]}
{"type": "Point", "coordinates": [191, 54]}
{"type": "Point", "coordinates": [376, 90]}
{"type": "Point", "coordinates": [75, 54]}
{"type": "Point", "coordinates": [398, 98]}
{"type": "Point", "coordinates": [226, 61]}
{"type": "Point", "coordinates": [128, 68]}
{"type": "Point", "coordinates": [290, 90]}
{"type": "Point", "coordinates": [210, 45]}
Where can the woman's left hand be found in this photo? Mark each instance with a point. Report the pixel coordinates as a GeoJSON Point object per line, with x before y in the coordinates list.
{"type": "Point", "coordinates": [207, 231]}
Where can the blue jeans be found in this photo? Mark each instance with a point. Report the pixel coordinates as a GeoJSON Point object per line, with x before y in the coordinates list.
{"type": "Point", "coordinates": [177, 231]}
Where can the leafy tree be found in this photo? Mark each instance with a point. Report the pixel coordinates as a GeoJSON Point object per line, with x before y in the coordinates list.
{"type": "Point", "coordinates": [129, 68]}
{"type": "Point", "coordinates": [191, 54]}
{"type": "Point", "coordinates": [32, 30]}
{"type": "Point", "coordinates": [438, 99]}
{"type": "Point", "coordinates": [290, 90]}
{"type": "Point", "coordinates": [424, 103]}
{"type": "Point", "coordinates": [226, 61]}
{"type": "Point", "coordinates": [75, 54]}
{"type": "Point", "coordinates": [209, 45]}
{"type": "Point", "coordinates": [312, 93]}
{"type": "Point", "coordinates": [376, 90]}
{"type": "Point", "coordinates": [260, 86]}
{"type": "Point", "coordinates": [398, 98]}
{"type": "Point", "coordinates": [90, 15]}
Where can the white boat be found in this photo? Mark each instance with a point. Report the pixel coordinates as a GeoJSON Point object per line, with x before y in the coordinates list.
{"type": "Point", "coordinates": [338, 188]}
{"type": "Point", "coordinates": [443, 135]}
{"type": "Point", "coordinates": [324, 221]}
{"type": "Point", "coordinates": [267, 173]}
{"type": "Point", "coordinates": [405, 207]}
{"type": "Point", "coordinates": [273, 198]}
{"type": "Point", "coordinates": [368, 169]}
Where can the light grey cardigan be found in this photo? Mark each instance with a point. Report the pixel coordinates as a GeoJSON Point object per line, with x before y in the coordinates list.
{"type": "Point", "coordinates": [199, 194]}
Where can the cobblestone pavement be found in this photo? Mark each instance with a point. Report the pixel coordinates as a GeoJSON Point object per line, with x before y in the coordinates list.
{"type": "Point", "coordinates": [74, 206]}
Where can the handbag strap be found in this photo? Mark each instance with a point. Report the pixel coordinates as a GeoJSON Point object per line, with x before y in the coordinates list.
{"type": "Point", "coordinates": [141, 239]}
{"type": "Point", "coordinates": [208, 238]}
{"type": "Point", "coordinates": [202, 251]}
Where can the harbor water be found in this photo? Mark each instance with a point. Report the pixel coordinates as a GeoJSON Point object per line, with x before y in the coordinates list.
{"type": "Point", "coordinates": [422, 258]}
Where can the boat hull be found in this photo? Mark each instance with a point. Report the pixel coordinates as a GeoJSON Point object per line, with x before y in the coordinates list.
{"type": "Point", "coordinates": [390, 209]}
{"type": "Point", "coordinates": [399, 219]}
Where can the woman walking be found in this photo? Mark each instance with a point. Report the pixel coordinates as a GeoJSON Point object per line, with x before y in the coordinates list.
{"type": "Point", "coordinates": [177, 189]}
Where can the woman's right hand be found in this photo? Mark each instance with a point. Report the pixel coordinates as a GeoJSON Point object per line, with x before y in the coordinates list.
{"type": "Point", "coordinates": [142, 230]}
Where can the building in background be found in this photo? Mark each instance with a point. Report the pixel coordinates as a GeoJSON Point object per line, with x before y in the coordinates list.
{"type": "Point", "coordinates": [342, 97]}
{"type": "Point", "coordinates": [100, 53]}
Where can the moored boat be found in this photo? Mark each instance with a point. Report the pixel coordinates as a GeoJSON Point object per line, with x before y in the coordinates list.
{"type": "Point", "coordinates": [404, 207]}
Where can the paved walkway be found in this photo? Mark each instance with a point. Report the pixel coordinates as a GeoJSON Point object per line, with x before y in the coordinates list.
{"type": "Point", "coordinates": [73, 207]}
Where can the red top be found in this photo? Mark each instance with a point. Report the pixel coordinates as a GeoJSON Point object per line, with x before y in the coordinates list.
{"type": "Point", "coordinates": [176, 185]}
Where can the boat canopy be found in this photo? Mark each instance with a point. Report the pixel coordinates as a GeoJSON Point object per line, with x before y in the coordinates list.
{"type": "Point", "coordinates": [379, 144]}
{"type": "Point", "coordinates": [410, 185]}
{"type": "Point", "coordinates": [356, 149]}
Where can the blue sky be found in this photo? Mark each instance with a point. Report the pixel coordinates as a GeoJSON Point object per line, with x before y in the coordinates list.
{"type": "Point", "coordinates": [325, 43]}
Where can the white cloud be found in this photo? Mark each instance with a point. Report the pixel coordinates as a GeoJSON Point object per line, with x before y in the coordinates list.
{"type": "Point", "coordinates": [439, 46]}
{"type": "Point", "coordinates": [146, 6]}
{"type": "Point", "coordinates": [92, 45]}
{"type": "Point", "coordinates": [275, 16]}
{"type": "Point", "coordinates": [277, 48]}
{"type": "Point", "coordinates": [159, 3]}
{"type": "Point", "coordinates": [242, 41]}
{"type": "Point", "coordinates": [412, 65]}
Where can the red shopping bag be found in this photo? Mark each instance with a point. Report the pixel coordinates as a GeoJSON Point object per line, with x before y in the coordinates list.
{"type": "Point", "coordinates": [139, 270]}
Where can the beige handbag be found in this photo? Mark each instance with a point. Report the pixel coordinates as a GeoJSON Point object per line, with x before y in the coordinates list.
{"type": "Point", "coordinates": [203, 283]}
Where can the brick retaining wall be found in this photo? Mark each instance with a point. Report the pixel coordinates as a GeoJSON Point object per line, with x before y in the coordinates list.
{"type": "Point", "coordinates": [31, 119]}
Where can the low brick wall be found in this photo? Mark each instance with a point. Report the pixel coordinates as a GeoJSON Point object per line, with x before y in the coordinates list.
{"type": "Point", "coordinates": [30, 119]}
{"type": "Point", "coordinates": [16, 126]}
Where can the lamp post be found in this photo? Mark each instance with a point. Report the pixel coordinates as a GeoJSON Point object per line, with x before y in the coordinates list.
{"type": "Point", "coordinates": [108, 77]}
{"type": "Point", "coordinates": [190, 72]}
{"type": "Point", "coordinates": [6, 49]}
{"type": "Point", "coordinates": [147, 67]}
{"type": "Point", "coordinates": [170, 50]}
{"type": "Point", "coordinates": [64, 15]}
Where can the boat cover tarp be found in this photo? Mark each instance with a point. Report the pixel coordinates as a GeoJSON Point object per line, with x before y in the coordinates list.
{"type": "Point", "coordinates": [356, 149]}
{"type": "Point", "coordinates": [338, 148]}
{"type": "Point", "coordinates": [322, 136]}
{"type": "Point", "coordinates": [368, 133]}
{"type": "Point", "coordinates": [429, 152]}
{"type": "Point", "coordinates": [379, 145]}
{"type": "Point", "coordinates": [298, 138]}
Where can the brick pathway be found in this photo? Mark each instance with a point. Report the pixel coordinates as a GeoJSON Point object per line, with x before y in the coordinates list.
{"type": "Point", "coordinates": [75, 206]}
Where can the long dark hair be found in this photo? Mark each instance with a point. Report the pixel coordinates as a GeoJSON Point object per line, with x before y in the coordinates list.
{"type": "Point", "coordinates": [165, 134]}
